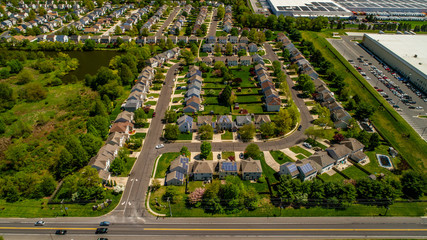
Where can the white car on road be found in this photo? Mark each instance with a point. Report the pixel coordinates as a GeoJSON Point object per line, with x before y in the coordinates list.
{"type": "Point", "coordinates": [160, 146]}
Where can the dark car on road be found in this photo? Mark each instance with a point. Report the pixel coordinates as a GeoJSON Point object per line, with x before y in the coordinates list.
{"type": "Point", "coordinates": [102, 238]}
{"type": "Point", "coordinates": [104, 223]}
{"type": "Point", "coordinates": [101, 230]}
{"type": "Point", "coordinates": [300, 127]}
{"type": "Point", "coordinates": [61, 232]}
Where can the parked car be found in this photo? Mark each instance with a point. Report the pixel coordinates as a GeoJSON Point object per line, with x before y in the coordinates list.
{"type": "Point", "coordinates": [241, 156]}
{"type": "Point", "coordinates": [61, 232]}
{"type": "Point", "coordinates": [300, 127]}
{"type": "Point", "coordinates": [307, 145]}
{"type": "Point", "coordinates": [154, 114]}
{"type": "Point", "coordinates": [104, 223]}
{"type": "Point", "coordinates": [101, 230]}
{"type": "Point", "coordinates": [39, 223]}
{"type": "Point", "coordinates": [160, 146]}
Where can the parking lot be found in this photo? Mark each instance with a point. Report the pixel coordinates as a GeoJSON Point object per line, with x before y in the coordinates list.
{"type": "Point", "coordinates": [390, 85]}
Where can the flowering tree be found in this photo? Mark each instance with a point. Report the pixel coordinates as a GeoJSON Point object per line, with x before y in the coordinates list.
{"type": "Point", "coordinates": [195, 198]}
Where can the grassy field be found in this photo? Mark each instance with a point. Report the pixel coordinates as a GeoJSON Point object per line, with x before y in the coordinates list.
{"type": "Point", "coordinates": [164, 163]}
{"type": "Point", "coordinates": [280, 157]}
{"type": "Point", "coordinates": [38, 208]}
{"type": "Point", "coordinates": [227, 136]}
{"type": "Point", "coordinates": [389, 124]}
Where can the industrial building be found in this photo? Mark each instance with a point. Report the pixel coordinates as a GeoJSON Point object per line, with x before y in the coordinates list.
{"type": "Point", "coordinates": [346, 8]}
{"type": "Point", "coordinates": [308, 8]}
{"type": "Point", "coordinates": [407, 54]}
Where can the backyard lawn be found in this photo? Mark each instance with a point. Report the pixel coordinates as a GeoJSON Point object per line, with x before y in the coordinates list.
{"type": "Point", "coordinates": [300, 156]}
{"type": "Point", "coordinates": [280, 157]}
{"type": "Point", "coordinates": [164, 163]}
{"type": "Point", "coordinates": [217, 109]}
{"type": "Point", "coordinates": [252, 108]}
{"type": "Point", "coordinates": [354, 173]}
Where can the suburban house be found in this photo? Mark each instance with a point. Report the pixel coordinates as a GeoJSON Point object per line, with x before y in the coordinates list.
{"type": "Point", "coordinates": [232, 61]}
{"type": "Point", "coordinates": [245, 60]}
{"type": "Point", "coordinates": [132, 105]}
{"type": "Point", "coordinates": [289, 168]}
{"type": "Point", "coordinates": [244, 40]}
{"type": "Point", "coordinates": [205, 120]}
{"type": "Point", "coordinates": [124, 116]}
{"type": "Point", "coordinates": [177, 171]}
{"type": "Point", "coordinates": [227, 168]}
{"type": "Point", "coordinates": [356, 148]}
{"type": "Point", "coordinates": [234, 39]}
{"type": "Point", "coordinates": [341, 118]}
{"type": "Point", "coordinates": [117, 138]}
{"type": "Point", "coordinates": [224, 122]}
{"type": "Point", "coordinates": [273, 104]}
{"type": "Point", "coordinates": [307, 172]}
{"type": "Point", "coordinates": [252, 47]}
{"type": "Point", "coordinates": [323, 160]}
{"type": "Point", "coordinates": [339, 153]}
{"type": "Point", "coordinates": [207, 47]}
{"type": "Point", "coordinates": [121, 127]}
{"type": "Point", "coordinates": [242, 120]}
{"type": "Point", "coordinates": [192, 105]}
{"type": "Point", "coordinates": [202, 170]}
{"type": "Point", "coordinates": [261, 119]}
{"type": "Point", "coordinates": [251, 169]}
{"type": "Point", "coordinates": [185, 123]}
{"type": "Point", "coordinates": [257, 59]}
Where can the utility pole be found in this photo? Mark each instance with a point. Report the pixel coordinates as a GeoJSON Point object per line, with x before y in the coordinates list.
{"type": "Point", "coordinates": [170, 209]}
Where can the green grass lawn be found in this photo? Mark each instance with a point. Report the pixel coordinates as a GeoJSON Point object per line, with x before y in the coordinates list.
{"type": "Point", "coordinates": [217, 109]}
{"type": "Point", "coordinates": [386, 120]}
{"type": "Point", "coordinates": [334, 178]}
{"type": "Point", "coordinates": [226, 155]}
{"type": "Point", "coordinates": [177, 99]}
{"type": "Point", "coordinates": [138, 135]}
{"type": "Point", "coordinates": [321, 145]}
{"type": "Point", "coordinates": [152, 103]}
{"type": "Point", "coordinates": [252, 108]}
{"type": "Point", "coordinates": [260, 187]}
{"type": "Point", "coordinates": [164, 163]}
{"type": "Point", "coordinates": [211, 100]}
{"type": "Point", "coordinates": [300, 156]}
{"type": "Point", "coordinates": [38, 208]}
{"type": "Point", "coordinates": [267, 171]}
{"type": "Point", "coordinates": [298, 149]}
{"type": "Point", "coordinates": [249, 98]}
{"type": "Point", "coordinates": [156, 95]}
{"type": "Point", "coordinates": [227, 136]}
{"type": "Point", "coordinates": [185, 136]}
{"type": "Point", "coordinates": [128, 167]}
{"type": "Point", "coordinates": [354, 173]}
{"type": "Point", "coordinates": [280, 157]}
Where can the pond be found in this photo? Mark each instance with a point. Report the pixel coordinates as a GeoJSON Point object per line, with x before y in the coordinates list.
{"type": "Point", "coordinates": [89, 62]}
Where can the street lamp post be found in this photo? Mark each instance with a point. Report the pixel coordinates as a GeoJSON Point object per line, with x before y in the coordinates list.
{"type": "Point", "coordinates": [170, 209]}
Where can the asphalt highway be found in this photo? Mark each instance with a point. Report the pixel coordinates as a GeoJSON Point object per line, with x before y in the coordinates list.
{"type": "Point", "coordinates": [168, 230]}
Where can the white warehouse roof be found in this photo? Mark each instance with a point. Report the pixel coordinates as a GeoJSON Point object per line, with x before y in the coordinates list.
{"type": "Point", "coordinates": [406, 47]}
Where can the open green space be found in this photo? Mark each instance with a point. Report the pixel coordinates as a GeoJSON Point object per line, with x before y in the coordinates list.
{"type": "Point", "coordinates": [387, 121]}
{"type": "Point", "coordinates": [280, 157]}
{"type": "Point", "coordinates": [39, 208]}
{"type": "Point", "coordinates": [227, 135]}
{"type": "Point", "coordinates": [298, 149]}
{"type": "Point", "coordinates": [164, 162]}
{"type": "Point", "coordinates": [249, 98]}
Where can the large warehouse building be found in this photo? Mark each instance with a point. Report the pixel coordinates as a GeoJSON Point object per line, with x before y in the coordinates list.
{"type": "Point", "coordinates": [344, 8]}
{"type": "Point", "coordinates": [405, 53]}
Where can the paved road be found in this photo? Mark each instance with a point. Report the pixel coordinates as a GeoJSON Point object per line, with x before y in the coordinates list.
{"type": "Point", "coordinates": [352, 50]}
{"type": "Point", "coordinates": [312, 227]}
{"type": "Point", "coordinates": [167, 22]}
{"type": "Point", "coordinates": [214, 24]}
{"type": "Point", "coordinates": [133, 197]}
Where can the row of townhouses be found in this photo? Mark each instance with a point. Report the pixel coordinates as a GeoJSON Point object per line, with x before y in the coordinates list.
{"type": "Point", "coordinates": [200, 18]}
{"type": "Point", "coordinates": [339, 116]}
{"type": "Point", "coordinates": [203, 170]}
{"type": "Point", "coordinates": [154, 19]}
{"type": "Point", "coordinates": [225, 39]}
{"type": "Point", "coordinates": [139, 91]}
{"type": "Point", "coordinates": [304, 66]}
{"type": "Point", "coordinates": [323, 161]}
{"type": "Point", "coordinates": [232, 61]}
{"type": "Point", "coordinates": [227, 22]}
{"type": "Point", "coordinates": [159, 59]}
{"type": "Point", "coordinates": [223, 122]}
{"type": "Point", "coordinates": [179, 22]}
{"type": "Point", "coordinates": [134, 18]}
{"type": "Point", "coordinates": [210, 47]}
{"type": "Point", "coordinates": [271, 96]}
{"type": "Point", "coordinates": [193, 95]}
